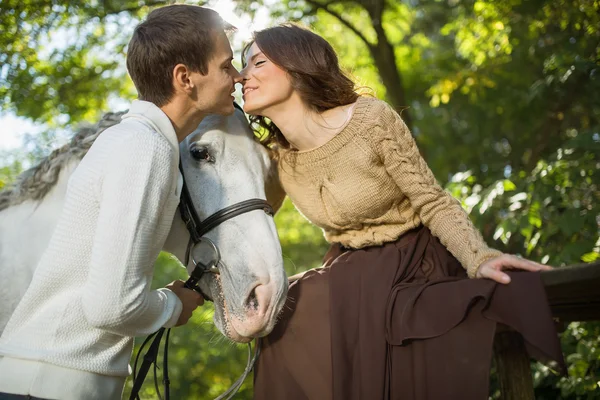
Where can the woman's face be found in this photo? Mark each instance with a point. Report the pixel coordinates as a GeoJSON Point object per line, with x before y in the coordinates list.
{"type": "Point", "coordinates": [266, 85]}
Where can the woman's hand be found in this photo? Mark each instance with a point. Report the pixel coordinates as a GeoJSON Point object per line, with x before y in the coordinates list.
{"type": "Point", "coordinates": [492, 268]}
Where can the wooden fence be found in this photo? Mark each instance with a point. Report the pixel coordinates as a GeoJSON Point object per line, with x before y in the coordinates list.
{"type": "Point", "coordinates": [574, 295]}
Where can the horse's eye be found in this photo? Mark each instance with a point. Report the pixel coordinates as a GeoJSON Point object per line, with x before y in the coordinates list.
{"type": "Point", "coordinates": [201, 154]}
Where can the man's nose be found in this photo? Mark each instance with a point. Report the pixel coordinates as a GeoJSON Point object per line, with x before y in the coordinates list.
{"type": "Point", "coordinates": [244, 73]}
{"type": "Point", "coordinates": [237, 77]}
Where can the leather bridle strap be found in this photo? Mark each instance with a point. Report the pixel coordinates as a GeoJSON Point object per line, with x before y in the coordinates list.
{"type": "Point", "coordinates": [198, 228]}
{"type": "Point", "coordinates": [233, 211]}
{"type": "Point", "coordinates": [188, 211]}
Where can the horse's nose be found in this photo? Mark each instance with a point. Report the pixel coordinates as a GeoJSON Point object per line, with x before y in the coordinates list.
{"type": "Point", "coordinates": [259, 300]}
{"type": "Point", "coordinates": [252, 301]}
{"type": "Point", "coordinates": [257, 311]}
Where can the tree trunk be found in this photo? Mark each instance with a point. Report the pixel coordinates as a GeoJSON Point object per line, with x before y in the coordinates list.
{"type": "Point", "coordinates": [385, 60]}
{"type": "Point", "coordinates": [382, 53]}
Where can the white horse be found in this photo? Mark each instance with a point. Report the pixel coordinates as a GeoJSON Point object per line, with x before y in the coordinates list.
{"type": "Point", "coordinates": [223, 165]}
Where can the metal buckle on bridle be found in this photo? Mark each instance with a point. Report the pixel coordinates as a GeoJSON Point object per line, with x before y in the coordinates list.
{"type": "Point", "coordinates": [201, 266]}
{"type": "Point", "coordinates": [197, 230]}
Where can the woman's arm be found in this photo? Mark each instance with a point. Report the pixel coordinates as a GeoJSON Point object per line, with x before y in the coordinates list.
{"type": "Point", "coordinates": [437, 209]}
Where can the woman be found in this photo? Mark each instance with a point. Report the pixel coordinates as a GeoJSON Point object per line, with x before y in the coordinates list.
{"type": "Point", "coordinates": [391, 314]}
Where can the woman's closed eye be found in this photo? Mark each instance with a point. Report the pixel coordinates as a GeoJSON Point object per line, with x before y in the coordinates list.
{"type": "Point", "coordinates": [258, 63]}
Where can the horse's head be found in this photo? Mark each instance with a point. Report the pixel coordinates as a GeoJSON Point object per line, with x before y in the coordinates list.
{"type": "Point", "coordinates": [224, 165]}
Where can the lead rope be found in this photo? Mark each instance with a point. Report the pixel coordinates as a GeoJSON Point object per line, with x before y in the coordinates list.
{"type": "Point", "coordinates": [151, 358]}
{"type": "Point", "coordinates": [152, 354]}
{"type": "Point", "coordinates": [249, 365]}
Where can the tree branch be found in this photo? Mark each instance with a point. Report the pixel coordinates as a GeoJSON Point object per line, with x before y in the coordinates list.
{"type": "Point", "coordinates": [137, 7]}
{"type": "Point", "coordinates": [339, 17]}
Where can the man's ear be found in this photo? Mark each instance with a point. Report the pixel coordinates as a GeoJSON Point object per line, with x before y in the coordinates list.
{"type": "Point", "coordinates": [182, 78]}
{"type": "Point", "coordinates": [273, 189]}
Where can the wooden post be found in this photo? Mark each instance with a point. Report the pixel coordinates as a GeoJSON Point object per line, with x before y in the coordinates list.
{"type": "Point", "coordinates": [513, 368]}
{"type": "Point", "coordinates": [573, 295]}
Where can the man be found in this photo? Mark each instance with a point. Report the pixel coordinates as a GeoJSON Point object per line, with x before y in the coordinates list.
{"type": "Point", "coordinates": [71, 336]}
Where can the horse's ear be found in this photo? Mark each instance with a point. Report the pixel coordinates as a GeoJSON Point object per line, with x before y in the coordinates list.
{"type": "Point", "coordinates": [273, 189]}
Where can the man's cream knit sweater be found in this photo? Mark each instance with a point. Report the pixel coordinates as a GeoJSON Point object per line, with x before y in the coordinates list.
{"type": "Point", "coordinates": [71, 336]}
{"type": "Point", "coordinates": [368, 185]}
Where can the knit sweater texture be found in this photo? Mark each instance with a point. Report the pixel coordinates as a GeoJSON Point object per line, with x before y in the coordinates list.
{"type": "Point", "coordinates": [369, 184]}
{"type": "Point", "coordinates": [90, 294]}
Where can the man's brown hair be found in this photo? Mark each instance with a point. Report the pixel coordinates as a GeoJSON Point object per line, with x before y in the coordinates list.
{"type": "Point", "coordinates": [171, 35]}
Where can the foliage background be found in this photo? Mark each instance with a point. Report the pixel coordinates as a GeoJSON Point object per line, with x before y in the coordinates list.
{"type": "Point", "coordinates": [503, 98]}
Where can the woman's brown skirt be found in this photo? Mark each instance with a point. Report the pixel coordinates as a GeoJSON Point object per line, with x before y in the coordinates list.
{"type": "Point", "coordinates": [399, 321]}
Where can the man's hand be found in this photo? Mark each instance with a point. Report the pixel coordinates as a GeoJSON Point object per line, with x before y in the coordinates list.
{"type": "Point", "coordinates": [189, 298]}
{"type": "Point", "coordinates": [492, 268]}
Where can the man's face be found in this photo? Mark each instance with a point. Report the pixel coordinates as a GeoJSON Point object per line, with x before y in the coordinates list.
{"type": "Point", "coordinates": [216, 87]}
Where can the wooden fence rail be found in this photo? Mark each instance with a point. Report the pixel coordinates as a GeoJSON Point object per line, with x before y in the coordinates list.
{"type": "Point", "coordinates": [574, 295]}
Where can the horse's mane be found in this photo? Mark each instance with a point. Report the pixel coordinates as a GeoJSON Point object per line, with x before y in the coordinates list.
{"type": "Point", "coordinates": [36, 182]}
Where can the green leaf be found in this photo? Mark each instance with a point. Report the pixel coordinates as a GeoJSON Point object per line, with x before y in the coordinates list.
{"type": "Point", "coordinates": [590, 257]}
{"type": "Point", "coordinates": [509, 186]}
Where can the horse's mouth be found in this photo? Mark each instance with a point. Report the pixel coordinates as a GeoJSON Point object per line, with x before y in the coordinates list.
{"type": "Point", "coordinates": [222, 316]}
{"type": "Point", "coordinates": [230, 331]}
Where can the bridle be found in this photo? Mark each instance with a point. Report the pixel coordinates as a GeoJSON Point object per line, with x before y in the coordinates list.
{"type": "Point", "coordinates": [197, 229]}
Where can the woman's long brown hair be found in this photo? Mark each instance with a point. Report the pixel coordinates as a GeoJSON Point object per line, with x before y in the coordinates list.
{"type": "Point", "coordinates": [314, 71]}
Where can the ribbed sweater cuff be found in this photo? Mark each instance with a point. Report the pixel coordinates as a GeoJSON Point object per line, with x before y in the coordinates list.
{"type": "Point", "coordinates": [482, 256]}
{"type": "Point", "coordinates": [174, 307]}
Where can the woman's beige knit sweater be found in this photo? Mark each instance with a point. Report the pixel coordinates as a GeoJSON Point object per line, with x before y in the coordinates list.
{"type": "Point", "coordinates": [369, 184]}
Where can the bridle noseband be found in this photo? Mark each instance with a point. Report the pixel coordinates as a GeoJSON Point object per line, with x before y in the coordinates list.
{"type": "Point", "coordinates": [198, 228]}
